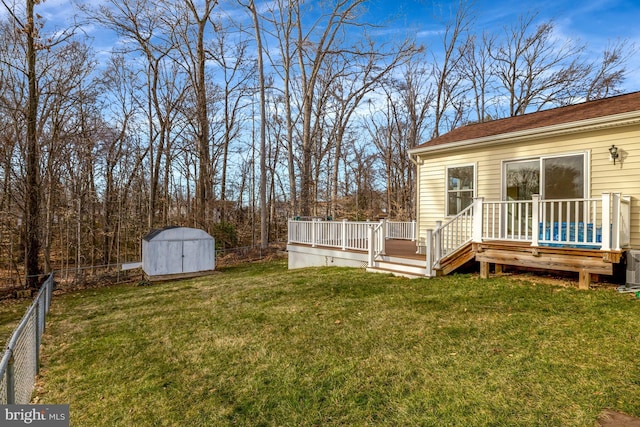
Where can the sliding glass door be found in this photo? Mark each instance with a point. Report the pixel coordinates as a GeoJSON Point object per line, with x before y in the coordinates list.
{"type": "Point", "coordinates": [563, 177]}
{"type": "Point", "coordinates": [557, 177]}
{"type": "Point", "coordinates": [553, 178]}
{"type": "Point", "coordinates": [522, 181]}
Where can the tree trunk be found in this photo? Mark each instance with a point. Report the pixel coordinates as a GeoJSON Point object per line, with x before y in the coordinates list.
{"type": "Point", "coordinates": [32, 188]}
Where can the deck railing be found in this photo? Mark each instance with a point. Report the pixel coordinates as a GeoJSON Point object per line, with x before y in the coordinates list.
{"type": "Point", "coordinates": [507, 220]}
{"type": "Point", "coordinates": [593, 223]}
{"type": "Point", "coordinates": [401, 230]}
{"type": "Point", "coordinates": [345, 235]}
{"type": "Point", "coordinates": [567, 222]}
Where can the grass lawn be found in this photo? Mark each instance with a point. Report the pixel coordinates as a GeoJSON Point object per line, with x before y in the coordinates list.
{"type": "Point", "coordinates": [260, 345]}
{"type": "Point", "coordinates": [11, 312]}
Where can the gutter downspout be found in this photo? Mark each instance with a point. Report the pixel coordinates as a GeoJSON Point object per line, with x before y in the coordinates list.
{"type": "Point", "coordinates": [417, 162]}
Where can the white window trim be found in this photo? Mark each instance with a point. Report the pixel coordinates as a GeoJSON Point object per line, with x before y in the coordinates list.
{"type": "Point", "coordinates": [503, 172]}
{"type": "Point", "coordinates": [587, 170]}
{"type": "Point", "coordinates": [446, 184]}
{"type": "Point", "coordinates": [586, 161]}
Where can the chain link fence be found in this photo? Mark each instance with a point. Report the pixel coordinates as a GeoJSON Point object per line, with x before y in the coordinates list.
{"type": "Point", "coordinates": [21, 358]}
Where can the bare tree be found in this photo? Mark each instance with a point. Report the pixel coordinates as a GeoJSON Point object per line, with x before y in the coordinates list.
{"type": "Point", "coordinates": [449, 90]}
{"type": "Point", "coordinates": [264, 235]}
{"type": "Point", "coordinates": [477, 66]}
{"type": "Point", "coordinates": [610, 72]}
{"type": "Point", "coordinates": [237, 71]}
{"type": "Point", "coordinates": [282, 19]}
{"type": "Point", "coordinates": [65, 90]}
{"type": "Point", "coordinates": [190, 30]}
{"type": "Point", "coordinates": [140, 22]}
{"type": "Point", "coordinates": [120, 85]}
{"type": "Point", "coordinates": [534, 68]}
{"type": "Point", "coordinates": [30, 27]}
{"type": "Point", "coordinates": [32, 188]}
{"type": "Point", "coordinates": [312, 55]}
{"type": "Point", "coordinates": [360, 75]}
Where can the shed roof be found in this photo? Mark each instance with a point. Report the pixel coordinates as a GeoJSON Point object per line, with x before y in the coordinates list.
{"type": "Point", "coordinates": [541, 119]}
{"type": "Point", "coordinates": [176, 233]}
{"type": "Point", "coordinates": [153, 233]}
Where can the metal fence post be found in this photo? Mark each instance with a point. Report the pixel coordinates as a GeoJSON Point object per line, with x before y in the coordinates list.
{"type": "Point", "coordinates": [38, 333]}
{"type": "Point", "coordinates": [11, 382]}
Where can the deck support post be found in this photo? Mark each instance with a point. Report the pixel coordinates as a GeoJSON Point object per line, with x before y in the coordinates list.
{"type": "Point", "coordinates": [584, 280]}
{"type": "Point", "coordinates": [313, 233]}
{"type": "Point", "coordinates": [371, 254]}
{"type": "Point", "coordinates": [430, 255]}
{"type": "Point", "coordinates": [606, 222]}
{"type": "Point", "coordinates": [484, 270]}
{"type": "Point", "coordinates": [476, 233]}
{"type": "Point", "coordinates": [383, 229]}
{"type": "Point", "coordinates": [344, 234]}
{"type": "Point", "coordinates": [535, 220]}
{"type": "Point", "coordinates": [615, 221]}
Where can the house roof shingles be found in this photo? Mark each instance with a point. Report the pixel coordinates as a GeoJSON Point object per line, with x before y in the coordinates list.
{"type": "Point", "coordinates": [556, 116]}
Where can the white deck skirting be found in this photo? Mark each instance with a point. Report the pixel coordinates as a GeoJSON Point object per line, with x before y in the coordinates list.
{"type": "Point", "coordinates": [302, 256]}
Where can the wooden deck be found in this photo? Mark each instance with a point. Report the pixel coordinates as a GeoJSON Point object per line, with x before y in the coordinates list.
{"type": "Point", "coordinates": [401, 255]}
{"type": "Point", "coordinates": [403, 249]}
{"type": "Point", "coordinates": [585, 262]}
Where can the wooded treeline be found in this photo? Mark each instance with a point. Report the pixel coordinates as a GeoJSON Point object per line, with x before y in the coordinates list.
{"type": "Point", "coordinates": [234, 116]}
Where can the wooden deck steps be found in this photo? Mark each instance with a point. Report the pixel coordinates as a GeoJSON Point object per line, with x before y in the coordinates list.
{"type": "Point", "coordinates": [455, 260]}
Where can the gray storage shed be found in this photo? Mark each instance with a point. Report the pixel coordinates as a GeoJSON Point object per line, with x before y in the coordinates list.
{"type": "Point", "coordinates": [177, 251]}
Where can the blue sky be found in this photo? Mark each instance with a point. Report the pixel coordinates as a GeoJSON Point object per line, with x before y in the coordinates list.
{"type": "Point", "coordinates": [595, 23]}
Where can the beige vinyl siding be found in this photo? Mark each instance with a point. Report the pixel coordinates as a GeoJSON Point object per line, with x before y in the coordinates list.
{"type": "Point", "coordinates": [603, 176]}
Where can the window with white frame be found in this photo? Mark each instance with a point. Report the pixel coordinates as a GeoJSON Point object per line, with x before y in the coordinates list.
{"type": "Point", "coordinates": [561, 176]}
{"type": "Point", "coordinates": [460, 188]}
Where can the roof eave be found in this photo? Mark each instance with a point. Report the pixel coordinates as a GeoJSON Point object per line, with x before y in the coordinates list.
{"type": "Point", "coordinates": [614, 120]}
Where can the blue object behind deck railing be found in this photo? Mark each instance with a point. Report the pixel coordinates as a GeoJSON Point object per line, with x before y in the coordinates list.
{"type": "Point", "coordinates": [566, 232]}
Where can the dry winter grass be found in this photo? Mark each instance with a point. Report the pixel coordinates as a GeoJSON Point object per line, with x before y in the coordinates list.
{"type": "Point", "coordinates": [259, 345]}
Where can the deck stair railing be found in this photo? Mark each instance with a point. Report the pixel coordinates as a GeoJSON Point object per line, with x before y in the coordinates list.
{"type": "Point", "coordinates": [377, 238]}
{"type": "Point", "coordinates": [450, 236]}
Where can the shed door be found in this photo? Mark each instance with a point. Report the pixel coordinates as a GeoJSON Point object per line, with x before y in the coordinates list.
{"type": "Point", "coordinates": [191, 253]}
{"type": "Point", "coordinates": [172, 258]}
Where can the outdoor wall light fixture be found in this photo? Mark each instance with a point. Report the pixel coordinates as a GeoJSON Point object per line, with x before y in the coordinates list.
{"type": "Point", "coordinates": [613, 153]}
